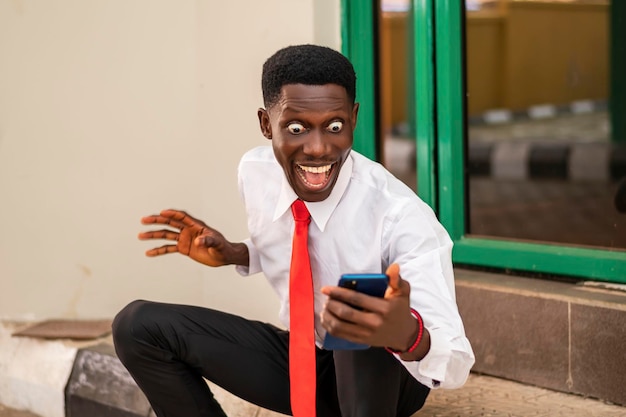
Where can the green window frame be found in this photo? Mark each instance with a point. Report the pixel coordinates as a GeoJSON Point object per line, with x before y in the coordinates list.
{"type": "Point", "coordinates": [440, 134]}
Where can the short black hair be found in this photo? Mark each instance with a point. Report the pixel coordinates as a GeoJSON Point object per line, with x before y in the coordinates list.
{"type": "Point", "coordinates": [306, 64]}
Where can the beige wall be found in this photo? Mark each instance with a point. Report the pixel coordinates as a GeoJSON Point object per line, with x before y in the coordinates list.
{"type": "Point", "coordinates": [110, 110]}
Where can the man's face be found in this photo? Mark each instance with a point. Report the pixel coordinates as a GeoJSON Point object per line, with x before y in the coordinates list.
{"type": "Point", "coordinates": [311, 129]}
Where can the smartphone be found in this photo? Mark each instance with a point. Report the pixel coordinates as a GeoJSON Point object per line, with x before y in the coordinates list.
{"type": "Point", "coordinates": [370, 284]}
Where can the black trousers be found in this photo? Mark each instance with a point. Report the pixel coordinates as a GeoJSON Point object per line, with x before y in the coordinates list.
{"type": "Point", "coordinates": [169, 348]}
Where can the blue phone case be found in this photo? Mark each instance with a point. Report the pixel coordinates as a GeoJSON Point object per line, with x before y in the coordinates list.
{"type": "Point", "coordinates": [370, 284]}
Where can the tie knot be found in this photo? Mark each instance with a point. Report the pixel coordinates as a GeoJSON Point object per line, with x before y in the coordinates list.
{"type": "Point", "coordinates": [299, 210]}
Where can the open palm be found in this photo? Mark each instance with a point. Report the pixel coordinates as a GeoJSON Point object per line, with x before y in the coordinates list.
{"type": "Point", "coordinates": [190, 237]}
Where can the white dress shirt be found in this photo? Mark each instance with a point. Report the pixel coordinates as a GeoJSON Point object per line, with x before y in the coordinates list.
{"type": "Point", "coordinates": [369, 221]}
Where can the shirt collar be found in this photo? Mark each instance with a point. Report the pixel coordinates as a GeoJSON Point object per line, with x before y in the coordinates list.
{"type": "Point", "coordinates": [320, 210]}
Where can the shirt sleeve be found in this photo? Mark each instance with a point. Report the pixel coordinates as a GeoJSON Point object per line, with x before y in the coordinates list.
{"type": "Point", "coordinates": [422, 248]}
{"type": "Point", "coordinates": [447, 364]}
{"type": "Point", "coordinates": [254, 264]}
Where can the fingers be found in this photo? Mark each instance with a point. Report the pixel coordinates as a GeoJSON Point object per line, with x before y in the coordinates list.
{"type": "Point", "coordinates": [158, 234]}
{"type": "Point", "coordinates": [345, 302]}
{"type": "Point", "coordinates": [158, 219]}
{"type": "Point", "coordinates": [397, 286]}
{"type": "Point", "coordinates": [163, 250]}
{"type": "Point", "coordinates": [393, 272]}
{"type": "Point", "coordinates": [161, 234]}
{"type": "Point", "coordinates": [345, 321]}
{"type": "Point", "coordinates": [174, 218]}
{"type": "Point", "coordinates": [354, 332]}
{"type": "Point", "coordinates": [381, 322]}
{"type": "Point", "coordinates": [342, 294]}
{"type": "Point", "coordinates": [181, 217]}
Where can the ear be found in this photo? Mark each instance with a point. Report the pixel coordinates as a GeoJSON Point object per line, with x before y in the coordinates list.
{"type": "Point", "coordinates": [355, 113]}
{"type": "Point", "coordinates": [264, 123]}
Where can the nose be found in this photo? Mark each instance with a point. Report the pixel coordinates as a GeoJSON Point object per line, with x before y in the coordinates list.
{"type": "Point", "coordinates": [316, 144]}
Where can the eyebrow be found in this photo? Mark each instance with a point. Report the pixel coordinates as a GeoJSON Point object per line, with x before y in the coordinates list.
{"type": "Point", "coordinates": [329, 109]}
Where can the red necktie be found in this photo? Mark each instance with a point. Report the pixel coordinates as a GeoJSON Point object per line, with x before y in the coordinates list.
{"type": "Point", "coordinates": [301, 318]}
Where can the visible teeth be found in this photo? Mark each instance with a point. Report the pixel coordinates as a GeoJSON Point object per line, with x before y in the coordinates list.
{"type": "Point", "coordinates": [315, 170]}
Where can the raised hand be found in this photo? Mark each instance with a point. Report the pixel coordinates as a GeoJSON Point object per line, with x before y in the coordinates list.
{"type": "Point", "coordinates": [193, 238]}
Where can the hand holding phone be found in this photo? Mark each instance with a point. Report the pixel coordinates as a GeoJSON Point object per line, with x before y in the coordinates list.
{"type": "Point", "coordinates": [370, 284]}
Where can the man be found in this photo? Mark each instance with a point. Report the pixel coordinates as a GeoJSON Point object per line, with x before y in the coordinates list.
{"type": "Point", "coordinates": [362, 220]}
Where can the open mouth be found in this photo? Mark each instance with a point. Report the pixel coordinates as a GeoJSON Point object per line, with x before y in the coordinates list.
{"type": "Point", "coordinates": [315, 177]}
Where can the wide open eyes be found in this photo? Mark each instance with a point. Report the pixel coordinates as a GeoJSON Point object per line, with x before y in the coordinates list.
{"type": "Point", "coordinates": [335, 127]}
{"type": "Point", "coordinates": [295, 128]}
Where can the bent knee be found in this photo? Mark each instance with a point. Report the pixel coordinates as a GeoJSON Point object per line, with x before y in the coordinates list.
{"type": "Point", "coordinates": [130, 323]}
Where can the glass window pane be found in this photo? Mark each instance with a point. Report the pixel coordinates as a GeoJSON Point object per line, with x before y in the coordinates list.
{"type": "Point", "coordinates": [396, 98]}
{"type": "Point", "coordinates": [546, 159]}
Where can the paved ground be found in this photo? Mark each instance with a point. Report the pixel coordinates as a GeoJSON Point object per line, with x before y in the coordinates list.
{"type": "Point", "coordinates": [493, 397]}
{"type": "Point", "coordinates": [481, 396]}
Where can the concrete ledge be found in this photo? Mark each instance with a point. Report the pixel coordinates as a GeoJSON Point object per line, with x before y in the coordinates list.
{"type": "Point", "coordinates": [100, 385]}
{"type": "Point", "coordinates": [556, 335]}
{"type": "Point", "coordinates": [33, 372]}
{"type": "Point", "coordinates": [57, 378]}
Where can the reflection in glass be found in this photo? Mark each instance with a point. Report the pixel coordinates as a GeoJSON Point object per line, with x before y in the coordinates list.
{"type": "Point", "coordinates": [396, 109]}
{"type": "Point", "coordinates": [545, 158]}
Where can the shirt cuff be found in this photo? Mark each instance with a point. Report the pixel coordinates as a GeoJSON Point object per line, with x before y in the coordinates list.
{"type": "Point", "coordinates": [254, 261]}
{"type": "Point", "coordinates": [433, 366]}
{"type": "Point", "coordinates": [446, 365]}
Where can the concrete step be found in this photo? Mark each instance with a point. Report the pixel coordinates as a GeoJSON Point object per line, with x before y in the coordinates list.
{"type": "Point", "coordinates": [564, 336]}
